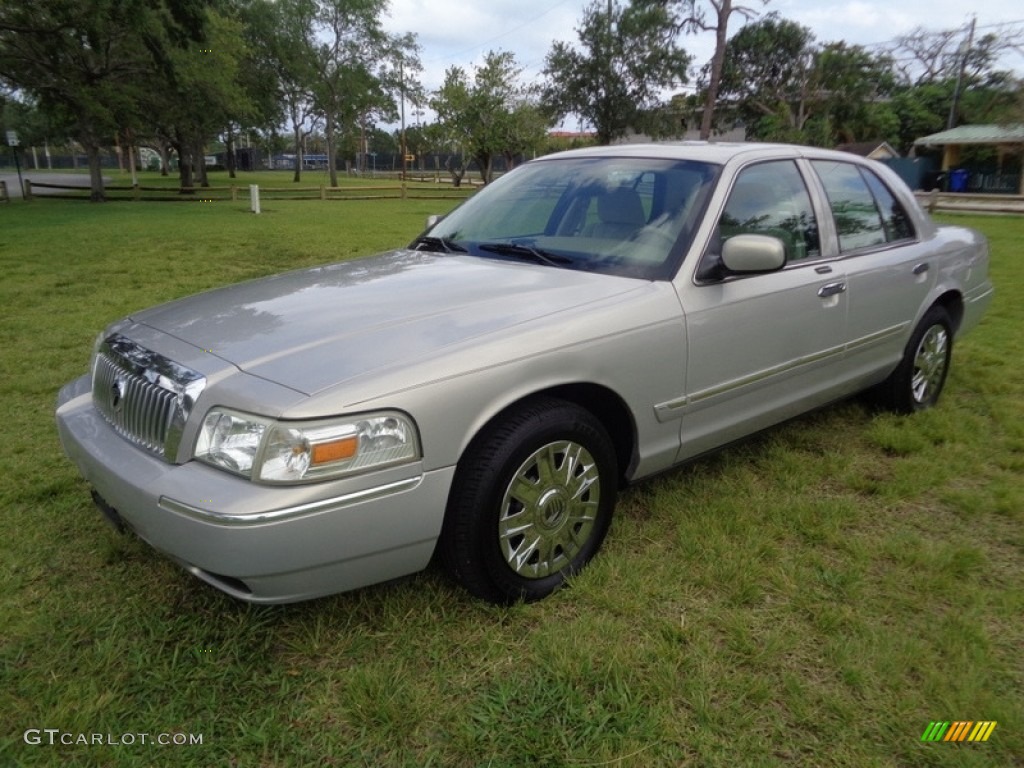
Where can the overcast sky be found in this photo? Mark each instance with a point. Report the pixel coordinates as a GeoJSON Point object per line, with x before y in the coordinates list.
{"type": "Point", "coordinates": [461, 32]}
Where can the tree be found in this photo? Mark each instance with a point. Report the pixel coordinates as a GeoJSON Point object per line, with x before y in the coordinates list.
{"type": "Point", "coordinates": [693, 17]}
{"type": "Point", "coordinates": [626, 57]}
{"type": "Point", "coordinates": [258, 77]}
{"type": "Point", "coordinates": [766, 77]}
{"type": "Point", "coordinates": [282, 34]}
{"type": "Point", "coordinates": [34, 127]}
{"type": "Point", "coordinates": [490, 115]}
{"type": "Point", "coordinates": [927, 67]}
{"type": "Point", "coordinates": [852, 91]}
{"type": "Point", "coordinates": [90, 64]}
{"type": "Point", "coordinates": [349, 82]}
{"type": "Point", "coordinates": [786, 87]}
{"type": "Point", "coordinates": [921, 57]}
{"type": "Point", "coordinates": [202, 95]}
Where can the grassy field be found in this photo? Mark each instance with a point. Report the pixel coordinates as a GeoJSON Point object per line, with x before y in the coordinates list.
{"type": "Point", "coordinates": [815, 596]}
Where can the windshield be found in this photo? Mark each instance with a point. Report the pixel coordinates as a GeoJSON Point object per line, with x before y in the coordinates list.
{"type": "Point", "coordinates": [625, 216]}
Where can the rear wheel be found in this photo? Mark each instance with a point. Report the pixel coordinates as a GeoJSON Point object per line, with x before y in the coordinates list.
{"type": "Point", "coordinates": [920, 377]}
{"type": "Point", "coordinates": [531, 502]}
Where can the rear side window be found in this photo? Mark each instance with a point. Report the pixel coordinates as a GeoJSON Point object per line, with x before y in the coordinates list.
{"type": "Point", "coordinates": [894, 215]}
{"type": "Point", "coordinates": [865, 212]}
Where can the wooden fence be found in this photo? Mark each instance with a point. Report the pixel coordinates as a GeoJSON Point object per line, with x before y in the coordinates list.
{"type": "Point", "coordinates": [970, 202]}
{"type": "Point", "coordinates": [236, 192]}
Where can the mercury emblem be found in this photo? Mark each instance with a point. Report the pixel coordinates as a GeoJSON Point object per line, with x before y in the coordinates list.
{"type": "Point", "coordinates": [117, 394]}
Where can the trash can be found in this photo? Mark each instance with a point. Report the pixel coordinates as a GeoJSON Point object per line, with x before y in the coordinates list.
{"type": "Point", "coordinates": [958, 180]}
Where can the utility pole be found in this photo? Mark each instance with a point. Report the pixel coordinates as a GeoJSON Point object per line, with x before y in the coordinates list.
{"type": "Point", "coordinates": [951, 123]}
{"type": "Point", "coordinates": [401, 80]}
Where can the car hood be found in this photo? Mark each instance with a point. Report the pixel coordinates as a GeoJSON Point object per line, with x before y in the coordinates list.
{"type": "Point", "coordinates": [316, 328]}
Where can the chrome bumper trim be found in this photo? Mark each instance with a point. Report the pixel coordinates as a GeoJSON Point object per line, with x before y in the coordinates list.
{"type": "Point", "coordinates": [288, 513]}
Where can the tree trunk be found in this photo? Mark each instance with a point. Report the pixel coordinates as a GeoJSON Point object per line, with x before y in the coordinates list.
{"type": "Point", "coordinates": [185, 160]}
{"type": "Point", "coordinates": [297, 177]}
{"type": "Point", "coordinates": [486, 163]}
{"type": "Point", "coordinates": [332, 163]}
{"type": "Point", "coordinates": [456, 171]}
{"type": "Point", "coordinates": [229, 148]}
{"type": "Point", "coordinates": [96, 193]}
{"type": "Point", "coordinates": [717, 62]}
{"type": "Point", "coordinates": [199, 156]}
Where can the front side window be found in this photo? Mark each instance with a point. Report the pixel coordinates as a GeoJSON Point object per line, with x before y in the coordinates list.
{"type": "Point", "coordinates": [865, 212]}
{"type": "Point", "coordinates": [625, 216]}
{"type": "Point", "coordinates": [771, 199]}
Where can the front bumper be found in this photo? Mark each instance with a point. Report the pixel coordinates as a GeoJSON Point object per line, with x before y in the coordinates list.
{"type": "Point", "coordinates": [260, 544]}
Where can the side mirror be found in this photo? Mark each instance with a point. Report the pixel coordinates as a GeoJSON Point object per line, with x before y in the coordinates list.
{"type": "Point", "coordinates": [432, 219]}
{"type": "Point", "coordinates": [753, 253]}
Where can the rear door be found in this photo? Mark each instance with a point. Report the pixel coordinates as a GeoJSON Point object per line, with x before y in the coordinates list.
{"type": "Point", "coordinates": [888, 272]}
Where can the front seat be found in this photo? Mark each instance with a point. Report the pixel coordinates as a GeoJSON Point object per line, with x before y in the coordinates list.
{"type": "Point", "coordinates": [620, 214]}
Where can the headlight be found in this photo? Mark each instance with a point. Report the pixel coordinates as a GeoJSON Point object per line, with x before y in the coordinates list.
{"type": "Point", "coordinates": [294, 452]}
{"type": "Point", "coordinates": [231, 440]}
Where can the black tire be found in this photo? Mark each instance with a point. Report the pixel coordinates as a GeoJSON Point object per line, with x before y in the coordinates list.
{"type": "Point", "coordinates": [918, 380]}
{"type": "Point", "coordinates": [531, 502]}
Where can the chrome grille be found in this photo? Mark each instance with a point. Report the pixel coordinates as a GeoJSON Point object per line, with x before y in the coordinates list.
{"type": "Point", "coordinates": [144, 396]}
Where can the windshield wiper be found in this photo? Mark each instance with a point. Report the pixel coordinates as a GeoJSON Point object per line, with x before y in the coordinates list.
{"type": "Point", "coordinates": [431, 243]}
{"type": "Point", "coordinates": [524, 251]}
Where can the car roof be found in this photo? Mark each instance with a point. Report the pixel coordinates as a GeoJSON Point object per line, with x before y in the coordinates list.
{"type": "Point", "coordinates": [706, 151]}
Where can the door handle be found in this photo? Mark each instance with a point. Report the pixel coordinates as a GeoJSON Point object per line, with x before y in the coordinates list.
{"type": "Point", "coordinates": [831, 289]}
{"type": "Point", "coordinates": [921, 268]}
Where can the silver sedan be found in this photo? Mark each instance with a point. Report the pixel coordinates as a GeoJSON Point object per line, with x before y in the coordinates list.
{"type": "Point", "coordinates": [589, 319]}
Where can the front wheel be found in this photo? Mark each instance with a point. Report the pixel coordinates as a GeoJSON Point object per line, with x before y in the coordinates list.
{"type": "Point", "coordinates": [531, 502]}
{"type": "Point", "coordinates": [918, 380]}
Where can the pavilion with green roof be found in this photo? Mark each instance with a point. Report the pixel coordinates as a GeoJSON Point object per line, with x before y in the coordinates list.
{"type": "Point", "coordinates": [1007, 139]}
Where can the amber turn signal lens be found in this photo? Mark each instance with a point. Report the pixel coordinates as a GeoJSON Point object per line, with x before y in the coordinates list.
{"type": "Point", "coordinates": [335, 450]}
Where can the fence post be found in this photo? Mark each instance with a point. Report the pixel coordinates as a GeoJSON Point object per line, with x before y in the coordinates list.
{"type": "Point", "coordinates": [234, 193]}
{"type": "Point", "coordinates": [28, 189]}
{"type": "Point", "coordinates": [254, 198]}
{"type": "Point", "coordinates": [3, 192]}
{"type": "Point", "coordinates": [323, 192]}
{"type": "Point", "coordinates": [403, 189]}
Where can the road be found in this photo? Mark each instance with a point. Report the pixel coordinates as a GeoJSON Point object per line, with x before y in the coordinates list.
{"type": "Point", "coordinates": [71, 179]}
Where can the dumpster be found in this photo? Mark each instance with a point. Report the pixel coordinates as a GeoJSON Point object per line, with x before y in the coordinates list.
{"type": "Point", "coordinates": [958, 180]}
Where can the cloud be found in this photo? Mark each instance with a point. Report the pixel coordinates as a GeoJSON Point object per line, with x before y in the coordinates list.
{"type": "Point", "coordinates": [460, 33]}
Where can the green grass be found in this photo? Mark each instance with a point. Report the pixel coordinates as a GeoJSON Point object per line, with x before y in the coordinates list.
{"type": "Point", "coordinates": [814, 596]}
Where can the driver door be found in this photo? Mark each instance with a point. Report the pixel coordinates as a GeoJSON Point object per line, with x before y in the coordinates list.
{"type": "Point", "coordinates": [761, 347]}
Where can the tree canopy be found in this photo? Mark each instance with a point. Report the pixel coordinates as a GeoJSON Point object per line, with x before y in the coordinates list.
{"type": "Point", "coordinates": [489, 113]}
{"type": "Point", "coordinates": [626, 57]}
{"type": "Point", "coordinates": [89, 65]}
{"type": "Point", "coordinates": [179, 75]}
